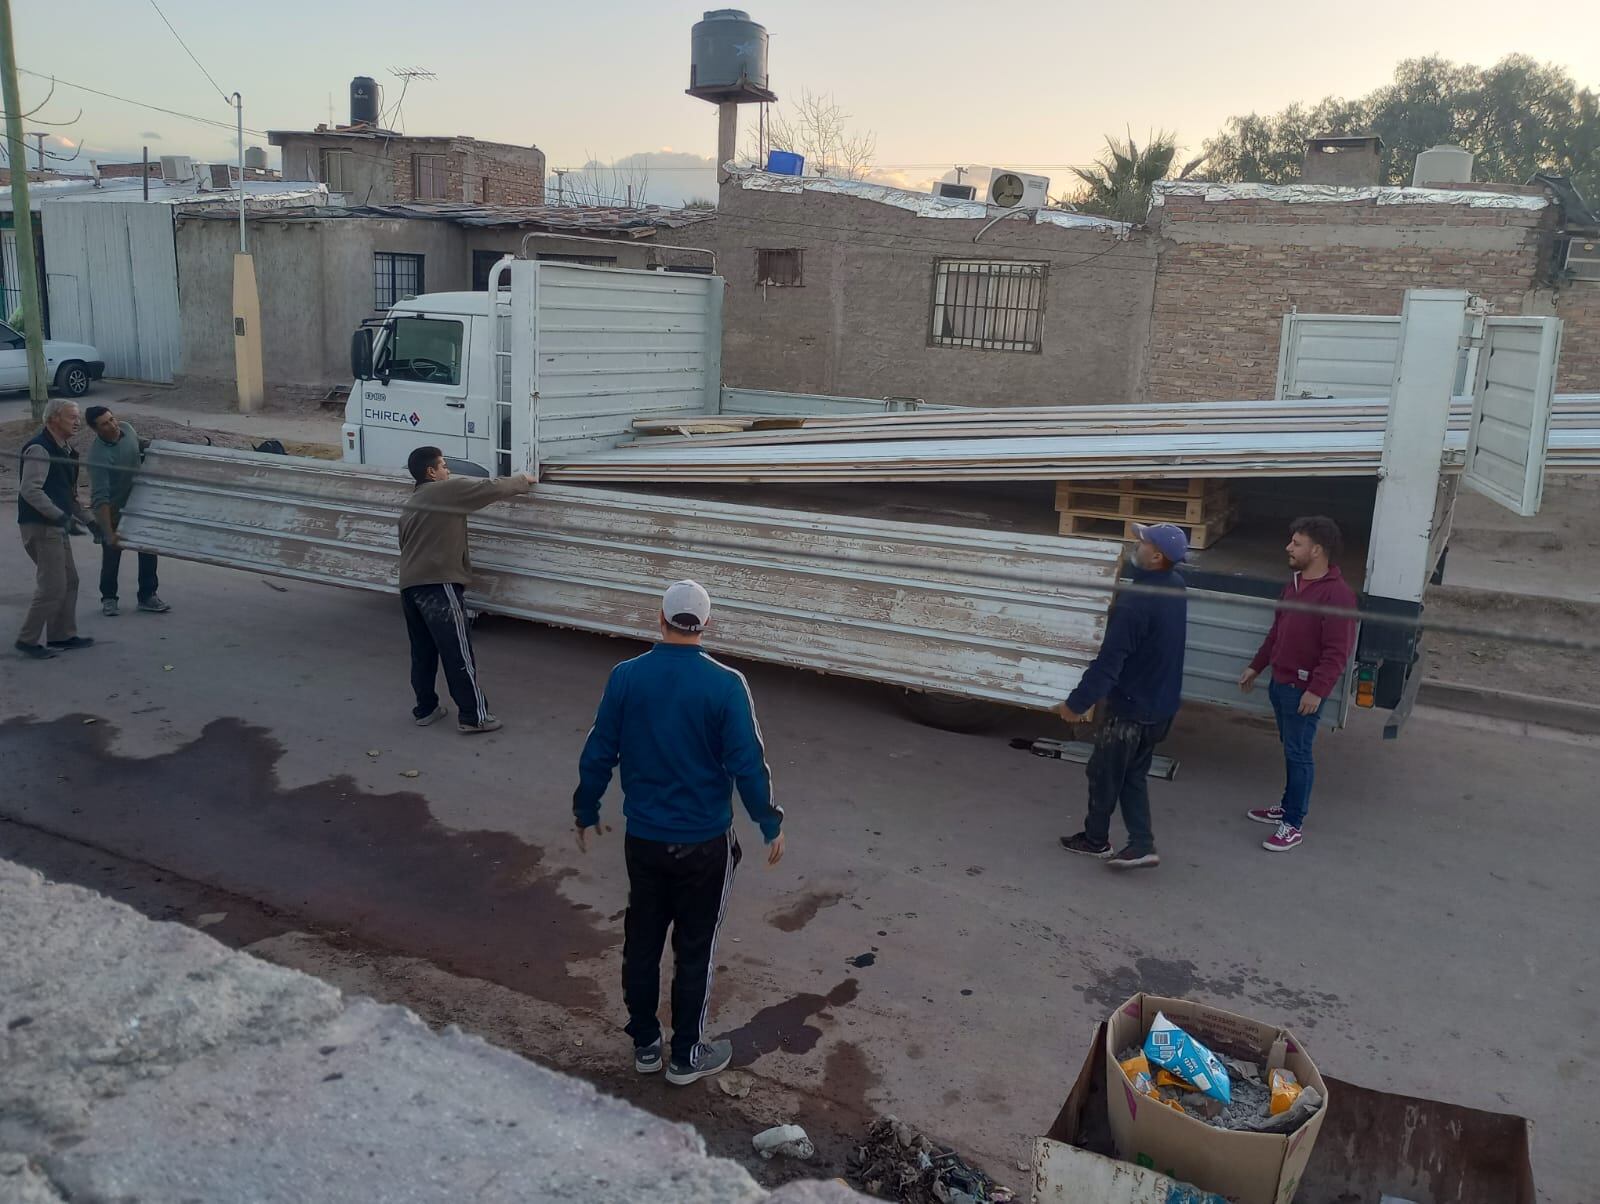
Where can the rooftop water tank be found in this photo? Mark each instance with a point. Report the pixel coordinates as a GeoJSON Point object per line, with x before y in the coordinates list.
{"type": "Point", "coordinates": [1443, 164]}
{"type": "Point", "coordinates": [255, 156]}
{"type": "Point", "coordinates": [728, 58]}
{"type": "Point", "coordinates": [366, 100]}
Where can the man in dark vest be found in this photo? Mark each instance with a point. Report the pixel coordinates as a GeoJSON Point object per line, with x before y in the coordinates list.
{"type": "Point", "coordinates": [47, 504]}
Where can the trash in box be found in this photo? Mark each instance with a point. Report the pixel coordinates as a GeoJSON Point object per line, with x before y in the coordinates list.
{"type": "Point", "coordinates": [1168, 1046]}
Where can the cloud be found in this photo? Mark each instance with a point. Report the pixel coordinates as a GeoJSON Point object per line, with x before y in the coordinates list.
{"type": "Point", "coordinates": [668, 177]}
{"type": "Point", "coordinates": [152, 135]}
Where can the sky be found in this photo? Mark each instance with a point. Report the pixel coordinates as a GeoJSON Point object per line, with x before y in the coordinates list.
{"type": "Point", "coordinates": [1035, 88]}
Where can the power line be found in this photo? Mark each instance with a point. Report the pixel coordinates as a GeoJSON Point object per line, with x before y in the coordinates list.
{"type": "Point", "coordinates": [222, 125]}
{"type": "Point", "coordinates": [190, 53]}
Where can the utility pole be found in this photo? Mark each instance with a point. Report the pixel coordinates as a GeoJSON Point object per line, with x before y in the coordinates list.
{"type": "Point", "coordinates": [40, 148]}
{"type": "Point", "coordinates": [960, 171]}
{"type": "Point", "coordinates": [33, 311]}
{"type": "Point", "coordinates": [560, 175]}
{"type": "Point", "coordinates": [238, 109]}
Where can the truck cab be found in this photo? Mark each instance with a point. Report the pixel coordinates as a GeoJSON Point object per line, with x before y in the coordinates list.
{"type": "Point", "coordinates": [422, 376]}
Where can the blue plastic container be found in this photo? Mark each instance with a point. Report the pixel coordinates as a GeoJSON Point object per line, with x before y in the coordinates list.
{"type": "Point", "coordinates": [786, 163]}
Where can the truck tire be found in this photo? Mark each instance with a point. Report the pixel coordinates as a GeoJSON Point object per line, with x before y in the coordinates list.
{"type": "Point", "coordinates": [951, 713]}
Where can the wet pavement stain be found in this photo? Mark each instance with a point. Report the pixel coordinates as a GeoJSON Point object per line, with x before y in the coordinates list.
{"type": "Point", "coordinates": [785, 1025]}
{"type": "Point", "coordinates": [847, 1076]}
{"type": "Point", "coordinates": [797, 915]}
{"type": "Point", "coordinates": [862, 961]}
{"type": "Point", "coordinates": [1178, 978]}
{"type": "Point", "coordinates": [377, 867]}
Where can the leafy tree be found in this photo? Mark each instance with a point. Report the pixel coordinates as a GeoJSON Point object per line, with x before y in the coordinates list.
{"type": "Point", "coordinates": [1517, 117]}
{"type": "Point", "coordinates": [1119, 184]}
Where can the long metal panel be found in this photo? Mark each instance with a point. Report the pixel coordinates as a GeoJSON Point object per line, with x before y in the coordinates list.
{"type": "Point", "coordinates": [967, 612]}
{"type": "Point", "coordinates": [778, 404]}
{"type": "Point", "coordinates": [123, 269]}
{"type": "Point", "coordinates": [613, 345]}
{"type": "Point", "coordinates": [1512, 404]}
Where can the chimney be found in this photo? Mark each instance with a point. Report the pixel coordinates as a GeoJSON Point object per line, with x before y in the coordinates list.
{"type": "Point", "coordinates": [1346, 162]}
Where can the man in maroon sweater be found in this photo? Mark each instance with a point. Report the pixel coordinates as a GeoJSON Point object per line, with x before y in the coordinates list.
{"type": "Point", "coordinates": [1308, 652]}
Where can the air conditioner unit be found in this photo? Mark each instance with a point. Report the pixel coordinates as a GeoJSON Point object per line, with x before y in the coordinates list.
{"type": "Point", "coordinates": [1582, 258]}
{"type": "Point", "coordinates": [176, 169]}
{"type": "Point", "coordinates": [955, 192]}
{"type": "Point", "coordinates": [1017, 189]}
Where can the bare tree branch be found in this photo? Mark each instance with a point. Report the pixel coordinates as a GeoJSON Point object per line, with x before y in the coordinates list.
{"type": "Point", "coordinates": [815, 126]}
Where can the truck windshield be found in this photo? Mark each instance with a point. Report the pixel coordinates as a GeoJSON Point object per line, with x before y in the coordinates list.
{"type": "Point", "coordinates": [427, 350]}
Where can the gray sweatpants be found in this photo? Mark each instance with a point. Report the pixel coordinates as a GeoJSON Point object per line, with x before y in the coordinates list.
{"type": "Point", "coordinates": [55, 588]}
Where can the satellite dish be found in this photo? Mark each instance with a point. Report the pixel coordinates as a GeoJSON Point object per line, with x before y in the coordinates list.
{"type": "Point", "coordinates": [1006, 190]}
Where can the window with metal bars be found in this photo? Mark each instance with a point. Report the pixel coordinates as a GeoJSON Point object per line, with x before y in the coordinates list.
{"type": "Point", "coordinates": [990, 305]}
{"type": "Point", "coordinates": [395, 277]}
{"type": "Point", "coordinates": [779, 267]}
{"type": "Point", "coordinates": [428, 178]}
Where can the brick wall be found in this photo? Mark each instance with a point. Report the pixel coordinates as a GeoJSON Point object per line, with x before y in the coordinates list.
{"type": "Point", "coordinates": [1230, 269]}
{"type": "Point", "coordinates": [512, 175]}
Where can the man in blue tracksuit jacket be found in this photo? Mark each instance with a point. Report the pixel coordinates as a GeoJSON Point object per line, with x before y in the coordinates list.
{"type": "Point", "coordinates": [1139, 674]}
{"type": "Point", "coordinates": [684, 728]}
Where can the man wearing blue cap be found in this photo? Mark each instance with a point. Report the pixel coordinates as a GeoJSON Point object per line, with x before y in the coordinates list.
{"type": "Point", "coordinates": [1139, 675]}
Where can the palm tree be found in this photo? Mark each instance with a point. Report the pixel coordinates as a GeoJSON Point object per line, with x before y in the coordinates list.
{"type": "Point", "coordinates": [1120, 183]}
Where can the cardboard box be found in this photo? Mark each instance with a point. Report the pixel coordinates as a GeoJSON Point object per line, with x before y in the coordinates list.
{"type": "Point", "coordinates": [1251, 1168]}
{"type": "Point", "coordinates": [1373, 1143]}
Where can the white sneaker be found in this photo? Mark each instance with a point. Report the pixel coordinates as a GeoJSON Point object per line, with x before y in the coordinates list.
{"type": "Point", "coordinates": [427, 720]}
{"type": "Point", "coordinates": [486, 723]}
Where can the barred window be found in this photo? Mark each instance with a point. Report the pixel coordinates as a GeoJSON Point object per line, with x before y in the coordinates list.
{"type": "Point", "coordinates": [395, 277]}
{"type": "Point", "coordinates": [992, 305]}
{"type": "Point", "coordinates": [779, 267]}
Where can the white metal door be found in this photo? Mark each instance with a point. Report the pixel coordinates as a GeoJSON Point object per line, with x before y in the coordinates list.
{"type": "Point", "coordinates": [10, 274]}
{"type": "Point", "coordinates": [1511, 402]}
{"type": "Point", "coordinates": [1351, 355]}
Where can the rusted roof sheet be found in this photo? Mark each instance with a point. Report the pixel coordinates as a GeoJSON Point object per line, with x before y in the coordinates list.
{"type": "Point", "coordinates": [615, 219]}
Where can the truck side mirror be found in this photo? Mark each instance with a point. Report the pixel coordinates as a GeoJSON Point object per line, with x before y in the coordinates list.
{"type": "Point", "coordinates": [361, 354]}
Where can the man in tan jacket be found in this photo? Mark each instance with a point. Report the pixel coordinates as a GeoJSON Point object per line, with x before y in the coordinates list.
{"type": "Point", "coordinates": [434, 573]}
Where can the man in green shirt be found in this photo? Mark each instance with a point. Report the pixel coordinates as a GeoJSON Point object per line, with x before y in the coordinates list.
{"type": "Point", "coordinates": [114, 459]}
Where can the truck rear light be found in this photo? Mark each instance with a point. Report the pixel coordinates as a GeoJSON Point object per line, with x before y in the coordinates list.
{"type": "Point", "coordinates": [1366, 685]}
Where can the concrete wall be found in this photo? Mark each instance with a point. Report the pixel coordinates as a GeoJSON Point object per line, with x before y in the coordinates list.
{"type": "Point", "coordinates": [1230, 269]}
{"type": "Point", "coordinates": [859, 323]}
{"type": "Point", "coordinates": [316, 283]}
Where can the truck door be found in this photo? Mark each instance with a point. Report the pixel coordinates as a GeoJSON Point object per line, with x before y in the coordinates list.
{"type": "Point", "coordinates": [420, 391]}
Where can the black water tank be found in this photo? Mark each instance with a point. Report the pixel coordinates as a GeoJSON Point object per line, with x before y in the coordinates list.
{"type": "Point", "coordinates": [366, 100]}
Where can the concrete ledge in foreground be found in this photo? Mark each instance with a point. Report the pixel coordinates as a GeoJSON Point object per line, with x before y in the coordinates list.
{"type": "Point", "coordinates": [145, 1061]}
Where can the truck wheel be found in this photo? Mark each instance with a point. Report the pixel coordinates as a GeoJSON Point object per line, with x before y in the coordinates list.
{"type": "Point", "coordinates": [72, 378]}
{"type": "Point", "coordinates": [951, 713]}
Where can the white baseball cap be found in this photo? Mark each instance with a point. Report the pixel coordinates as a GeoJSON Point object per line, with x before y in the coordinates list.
{"type": "Point", "coordinates": [686, 598]}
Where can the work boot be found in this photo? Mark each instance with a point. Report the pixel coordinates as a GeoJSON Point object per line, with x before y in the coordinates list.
{"type": "Point", "coordinates": [153, 605]}
{"type": "Point", "coordinates": [1130, 860]}
{"type": "Point", "coordinates": [708, 1058]}
{"type": "Point", "coordinates": [109, 608]}
{"type": "Point", "coordinates": [1082, 844]}
{"type": "Point", "coordinates": [486, 723]}
{"type": "Point", "coordinates": [1265, 815]}
{"type": "Point", "coordinates": [37, 651]}
{"type": "Point", "coordinates": [67, 645]}
{"type": "Point", "coordinates": [1284, 839]}
{"type": "Point", "coordinates": [647, 1058]}
{"type": "Point", "coordinates": [427, 720]}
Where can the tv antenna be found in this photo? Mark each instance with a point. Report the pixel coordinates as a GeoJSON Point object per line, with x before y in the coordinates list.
{"type": "Point", "coordinates": [405, 75]}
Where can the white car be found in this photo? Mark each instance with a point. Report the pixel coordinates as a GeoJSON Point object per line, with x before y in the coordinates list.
{"type": "Point", "coordinates": [69, 367]}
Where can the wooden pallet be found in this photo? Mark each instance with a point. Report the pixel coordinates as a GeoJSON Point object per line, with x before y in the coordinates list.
{"type": "Point", "coordinates": [1201, 535]}
{"type": "Point", "coordinates": [1146, 507]}
{"type": "Point", "coordinates": [1145, 486]}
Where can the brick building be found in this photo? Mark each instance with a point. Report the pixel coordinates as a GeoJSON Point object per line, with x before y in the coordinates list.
{"type": "Point", "coordinates": [1235, 258]}
{"type": "Point", "coordinates": [369, 166]}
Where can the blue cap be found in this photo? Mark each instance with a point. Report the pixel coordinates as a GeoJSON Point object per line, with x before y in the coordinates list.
{"type": "Point", "coordinates": [1169, 540]}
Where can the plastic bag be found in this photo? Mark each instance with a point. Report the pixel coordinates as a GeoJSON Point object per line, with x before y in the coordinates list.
{"type": "Point", "coordinates": [1137, 1068]}
{"type": "Point", "coordinates": [1170, 1047]}
{"type": "Point", "coordinates": [1285, 1090]}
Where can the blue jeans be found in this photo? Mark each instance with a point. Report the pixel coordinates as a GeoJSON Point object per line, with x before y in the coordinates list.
{"type": "Point", "coordinates": [1297, 732]}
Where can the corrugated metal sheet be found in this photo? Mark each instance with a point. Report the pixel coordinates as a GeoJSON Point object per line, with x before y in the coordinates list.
{"type": "Point", "coordinates": [613, 345]}
{"type": "Point", "coordinates": [1505, 453]}
{"type": "Point", "coordinates": [968, 612]}
{"type": "Point", "coordinates": [1223, 634]}
{"type": "Point", "coordinates": [1352, 355]}
{"type": "Point", "coordinates": [113, 280]}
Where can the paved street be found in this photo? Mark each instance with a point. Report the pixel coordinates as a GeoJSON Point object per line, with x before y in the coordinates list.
{"type": "Point", "coordinates": [924, 948]}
